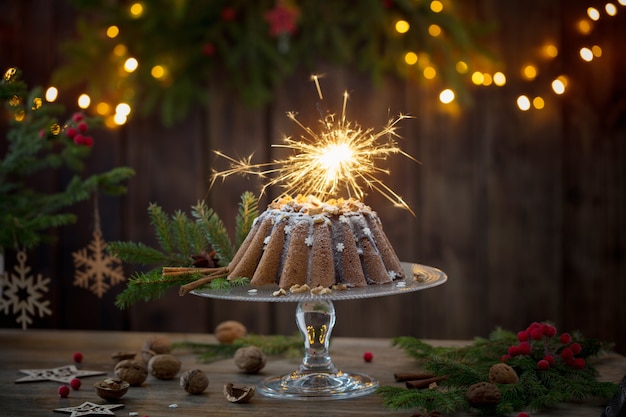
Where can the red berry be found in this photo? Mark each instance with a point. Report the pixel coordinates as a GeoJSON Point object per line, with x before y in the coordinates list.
{"type": "Point", "coordinates": [548, 330]}
{"type": "Point", "coordinates": [505, 358]}
{"type": "Point", "coordinates": [576, 348]}
{"type": "Point", "coordinates": [579, 363]}
{"type": "Point", "coordinates": [567, 353]}
{"type": "Point", "coordinates": [368, 356]}
{"type": "Point", "coordinates": [523, 335]}
{"type": "Point", "coordinates": [513, 351]}
{"type": "Point", "coordinates": [566, 338]}
{"type": "Point", "coordinates": [534, 325]}
{"type": "Point", "coordinates": [549, 358]}
{"type": "Point", "coordinates": [63, 391]}
{"type": "Point", "coordinates": [78, 116]}
{"type": "Point", "coordinates": [79, 139]}
{"type": "Point", "coordinates": [524, 348]}
{"type": "Point", "coordinates": [75, 384]}
{"type": "Point", "coordinates": [78, 357]}
{"type": "Point", "coordinates": [543, 364]}
{"type": "Point", "coordinates": [71, 132]}
{"type": "Point", "coordinates": [536, 333]}
{"type": "Point", "coordinates": [523, 414]}
{"type": "Point", "coordinates": [88, 141]}
{"type": "Point", "coordinates": [82, 126]}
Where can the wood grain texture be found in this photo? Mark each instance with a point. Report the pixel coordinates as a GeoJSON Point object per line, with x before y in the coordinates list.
{"type": "Point", "coordinates": [47, 349]}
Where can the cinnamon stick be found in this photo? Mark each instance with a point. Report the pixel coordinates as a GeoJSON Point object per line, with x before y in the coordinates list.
{"type": "Point", "coordinates": [218, 273]}
{"type": "Point", "coordinates": [411, 376]}
{"type": "Point", "coordinates": [423, 383]}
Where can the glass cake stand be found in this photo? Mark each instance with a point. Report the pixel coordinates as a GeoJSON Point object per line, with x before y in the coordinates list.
{"type": "Point", "coordinates": [317, 378]}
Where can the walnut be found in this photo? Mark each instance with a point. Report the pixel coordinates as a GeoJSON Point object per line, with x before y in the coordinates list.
{"type": "Point", "coordinates": [111, 389]}
{"type": "Point", "coordinates": [238, 395]}
{"type": "Point", "coordinates": [227, 331]}
{"type": "Point", "coordinates": [164, 366]}
{"type": "Point", "coordinates": [120, 356]}
{"type": "Point", "coordinates": [501, 373]}
{"type": "Point", "coordinates": [250, 359]}
{"type": "Point", "coordinates": [483, 393]}
{"type": "Point", "coordinates": [131, 371]}
{"type": "Point", "coordinates": [194, 381]}
{"type": "Point", "coordinates": [158, 344]}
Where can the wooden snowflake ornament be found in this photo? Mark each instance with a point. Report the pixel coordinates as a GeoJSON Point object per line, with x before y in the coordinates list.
{"type": "Point", "coordinates": [22, 294]}
{"type": "Point", "coordinates": [63, 374]}
{"type": "Point", "coordinates": [90, 409]}
{"type": "Point", "coordinates": [96, 270]}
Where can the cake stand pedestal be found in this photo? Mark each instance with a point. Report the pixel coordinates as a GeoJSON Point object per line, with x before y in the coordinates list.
{"type": "Point", "coordinates": [318, 378]}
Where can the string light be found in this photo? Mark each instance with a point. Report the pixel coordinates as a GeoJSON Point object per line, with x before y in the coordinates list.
{"type": "Point", "coordinates": [523, 103]}
{"type": "Point", "coordinates": [596, 51]}
{"type": "Point", "coordinates": [584, 26]}
{"type": "Point", "coordinates": [586, 54]}
{"type": "Point", "coordinates": [559, 84]}
{"type": "Point", "coordinates": [462, 67]}
{"type": "Point", "coordinates": [499, 79]}
{"type": "Point", "coordinates": [434, 30]}
{"type": "Point", "coordinates": [550, 51]}
{"type": "Point", "coordinates": [84, 101]}
{"type": "Point", "coordinates": [529, 72]}
{"type": "Point", "coordinates": [402, 26]}
{"type": "Point", "coordinates": [487, 79]}
{"type": "Point", "coordinates": [410, 58]}
{"type": "Point", "coordinates": [446, 96]}
{"type": "Point", "coordinates": [51, 94]}
{"type": "Point", "coordinates": [429, 72]}
{"type": "Point", "coordinates": [103, 108]}
{"type": "Point", "coordinates": [120, 50]}
{"type": "Point", "coordinates": [436, 6]}
{"type": "Point", "coordinates": [610, 9]}
{"type": "Point", "coordinates": [112, 31]}
{"type": "Point", "coordinates": [478, 78]}
{"type": "Point", "coordinates": [538, 103]}
{"type": "Point", "coordinates": [136, 10]}
{"type": "Point", "coordinates": [131, 65]}
{"type": "Point", "coordinates": [593, 13]}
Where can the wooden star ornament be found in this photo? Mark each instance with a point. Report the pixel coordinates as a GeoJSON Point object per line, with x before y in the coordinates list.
{"type": "Point", "coordinates": [90, 409]}
{"type": "Point", "coordinates": [62, 374]}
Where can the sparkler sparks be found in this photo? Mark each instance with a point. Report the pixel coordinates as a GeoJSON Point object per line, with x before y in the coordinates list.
{"type": "Point", "coordinates": [340, 161]}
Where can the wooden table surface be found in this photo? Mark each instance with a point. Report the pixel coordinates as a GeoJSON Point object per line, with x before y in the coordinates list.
{"type": "Point", "coordinates": [44, 349]}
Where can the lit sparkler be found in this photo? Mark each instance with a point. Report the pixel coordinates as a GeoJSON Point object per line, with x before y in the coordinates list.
{"type": "Point", "coordinates": [341, 159]}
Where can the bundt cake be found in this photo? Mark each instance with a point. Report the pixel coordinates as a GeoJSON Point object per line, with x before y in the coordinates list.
{"type": "Point", "coordinates": [306, 241]}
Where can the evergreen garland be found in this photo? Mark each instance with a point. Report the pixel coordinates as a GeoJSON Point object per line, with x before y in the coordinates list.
{"type": "Point", "coordinates": [252, 46]}
{"type": "Point", "coordinates": [200, 240]}
{"type": "Point", "coordinates": [539, 386]}
{"type": "Point", "coordinates": [39, 144]}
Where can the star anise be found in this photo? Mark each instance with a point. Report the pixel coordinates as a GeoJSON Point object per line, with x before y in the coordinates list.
{"type": "Point", "coordinates": [204, 260]}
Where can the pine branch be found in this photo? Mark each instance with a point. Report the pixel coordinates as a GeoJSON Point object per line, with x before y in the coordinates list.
{"type": "Point", "coordinates": [141, 254]}
{"type": "Point", "coordinates": [161, 224]}
{"type": "Point", "coordinates": [248, 211]}
{"type": "Point", "coordinates": [215, 232]}
{"type": "Point", "coordinates": [148, 286]}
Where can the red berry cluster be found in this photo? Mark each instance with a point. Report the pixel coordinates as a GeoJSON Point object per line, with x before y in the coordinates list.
{"type": "Point", "coordinates": [540, 341]}
{"type": "Point", "coordinates": [77, 129]}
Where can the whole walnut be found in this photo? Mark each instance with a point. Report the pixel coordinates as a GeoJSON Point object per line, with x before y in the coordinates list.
{"type": "Point", "coordinates": [227, 331]}
{"type": "Point", "coordinates": [250, 359]}
{"type": "Point", "coordinates": [155, 346]}
{"type": "Point", "coordinates": [164, 366]}
{"type": "Point", "coordinates": [194, 381]}
{"type": "Point", "coordinates": [483, 393]}
{"type": "Point", "coordinates": [131, 371]}
{"type": "Point", "coordinates": [501, 373]}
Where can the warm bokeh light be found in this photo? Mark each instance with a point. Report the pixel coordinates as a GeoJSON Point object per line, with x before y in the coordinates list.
{"type": "Point", "coordinates": [113, 31]}
{"type": "Point", "coordinates": [487, 79]}
{"type": "Point", "coordinates": [446, 96]}
{"type": "Point", "coordinates": [584, 26]}
{"type": "Point", "coordinates": [462, 67]}
{"type": "Point", "coordinates": [538, 103]}
{"type": "Point", "coordinates": [136, 9]}
{"type": "Point", "coordinates": [478, 78]}
{"type": "Point", "coordinates": [610, 9]}
{"type": "Point", "coordinates": [103, 108]}
{"type": "Point", "coordinates": [558, 86]}
{"type": "Point", "coordinates": [120, 50]}
{"type": "Point", "coordinates": [410, 58]}
{"type": "Point", "coordinates": [523, 103]}
{"type": "Point", "coordinates": [430, 73]}
{"type": "Point", "coordinates": [586, 54]}
{"type": "Point", "coordinates": [593, 13]}
{"type": "Point", "coordinates": [402, 26]}
{"type": "Point", "coordinates": [622, 2]}
{"type": "Point", "coordinates": [130, 65]}
{"type": "Point", "coordinates": [37, 103]}
{"type": "Point", "coordinates": [120, 119]}
{"type": "Point", "coordinates": [434, 30]}
{"type": "Point", "coordinates": [550, 51]}
{"type": "Point", "coordinates": [529, 72]}
{"type": "Point", "coordinates": [19, 115]}
{"type": "Point", "coordinates": [596, 51]}
{"type": "Point", "coordinates": [51, 94]}
{"type": "Point", "coordinates": [436, 6]}
{"type": "Point", "coordinates": [123, 109]}
{"type": "Point", "coordinates": [84, 101]}
{"type": "Point", "coordinates": [499, 79]}
{"type": "Point", "coordinates": [158, 71]}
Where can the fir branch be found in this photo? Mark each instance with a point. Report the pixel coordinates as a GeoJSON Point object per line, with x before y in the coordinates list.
{"type": "Point", "coordinates": [148, 286]}
{"type": "Point", "coordinates": [161, 224]}
{"type": "Point", "coordinates": [449, 401]}
{"type": "Point", "coordinates": [248, 211]}
{"type": "Point", "coordinates": [215, 232]}
{"type": "Point", "coordinates": [141, 254]}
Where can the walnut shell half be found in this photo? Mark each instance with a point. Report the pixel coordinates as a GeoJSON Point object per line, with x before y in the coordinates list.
{"type": "Point", "coordinates": [238, 395]}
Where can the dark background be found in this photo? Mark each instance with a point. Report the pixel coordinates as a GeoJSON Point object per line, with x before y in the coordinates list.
{"type": "Point", "coordinates": [525, 211]}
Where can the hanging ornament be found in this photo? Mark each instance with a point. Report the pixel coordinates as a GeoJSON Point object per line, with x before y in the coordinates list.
{"type": "Point", "coordinates": [22, 294]}
{"type": "Point", "coordinates": [96, 270]}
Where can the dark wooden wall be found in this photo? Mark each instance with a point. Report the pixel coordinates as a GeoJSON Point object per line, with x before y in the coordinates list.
{"type": "Point", "coordinates": [525, 211]}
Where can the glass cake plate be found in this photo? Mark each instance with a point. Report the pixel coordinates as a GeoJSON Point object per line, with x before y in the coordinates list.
{"type": "Point", "coordinates": [317, 377]}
